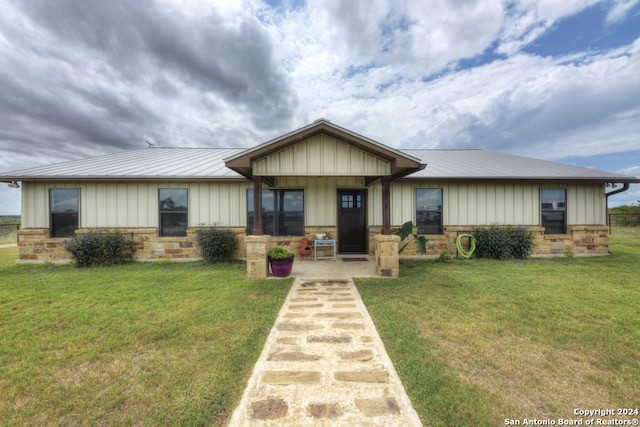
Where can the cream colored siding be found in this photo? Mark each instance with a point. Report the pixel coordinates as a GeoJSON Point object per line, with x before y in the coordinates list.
{"type": "Point", "coordinates": [321, 155]}
{"type": "Point", "coordinates": [320, 194]}
{"type": "Point", "coordinates": [479, 203]}
{"type": "Point", "coordinates": [223, 204]}
{"type": "Point", "coordinates": [490, 203]}
{"type": "Point", "coordinates": [374, 204]}
{"type": "Point", "coordinates": [135, 204]}
{"type": "Point", "coordinates": [35, 205]}
{"type": "Point", "coordinates": [586, 204]}
{"type": "Point", "coordinates": [122, 204]}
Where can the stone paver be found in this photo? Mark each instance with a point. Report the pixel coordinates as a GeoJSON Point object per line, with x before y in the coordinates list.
{"type": "Point", "coordinates": [324, 365]}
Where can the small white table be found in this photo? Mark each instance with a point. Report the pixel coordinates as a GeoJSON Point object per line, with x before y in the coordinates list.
{"type": "Point", "coordinates": [319, 243]}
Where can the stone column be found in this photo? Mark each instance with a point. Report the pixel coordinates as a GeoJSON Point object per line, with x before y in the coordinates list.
{"type": "Point", "coordinates": [387, 258]}
{"type": "Point", "coordinates": [257, 247]}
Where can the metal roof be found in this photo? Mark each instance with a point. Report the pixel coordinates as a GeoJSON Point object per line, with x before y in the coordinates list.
{"type": "Point", "coordinates": [488, 165]}
{"type": "Point", "coordinates": [209, 164]}
{"type": "Point", "coordinates": [148, 163]}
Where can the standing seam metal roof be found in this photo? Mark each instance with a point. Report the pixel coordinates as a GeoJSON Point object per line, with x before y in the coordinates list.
{"type": "Point", "coordinates": [481, 164]}
{"type": "Point", "coordinates": [148, 163]}
{"type": "Point", "coordinates": [209, 163]}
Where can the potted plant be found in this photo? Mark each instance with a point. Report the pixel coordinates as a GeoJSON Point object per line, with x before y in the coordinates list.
{"type": "Point", "coordinates": [280, 260]}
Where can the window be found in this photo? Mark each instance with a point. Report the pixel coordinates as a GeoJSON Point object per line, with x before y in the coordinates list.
{"type": "Point", "coordinates": [351, 201]}
{"type": "Point", "coordinates": [429, 210]}
{"type": "Point", "coordinates": [554, 210]}
{"type": "Point", "coordinates": [174, 214]}
{"type": "Point", "coordinates": [282, 212]}
{"type": "Point", "coordinates": [63, 206]}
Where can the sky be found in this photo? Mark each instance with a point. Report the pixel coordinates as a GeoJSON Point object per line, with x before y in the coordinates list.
{"type": "Point", "coordinates": [555, 80]}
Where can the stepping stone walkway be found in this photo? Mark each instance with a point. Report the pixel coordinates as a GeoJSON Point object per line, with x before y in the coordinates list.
{"type": "Point", "coordinates": [324, 364]}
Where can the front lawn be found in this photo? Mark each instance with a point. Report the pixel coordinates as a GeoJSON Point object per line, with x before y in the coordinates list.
{"type": "Point", "coordinates": [475, 343]}
{"type": "Point", "coordinates": [480, 342]}
{"type": "Point", "coordinates": [146, 343]}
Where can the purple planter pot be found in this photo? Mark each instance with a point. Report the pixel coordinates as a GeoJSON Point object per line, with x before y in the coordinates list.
{"type": "Point", "coordinates": [281, 267]}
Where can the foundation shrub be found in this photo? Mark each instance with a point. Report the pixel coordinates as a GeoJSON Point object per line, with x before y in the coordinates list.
{"type": "Point", "coordinates": [503, 242]}
{"type": "Point", "coordinates": [216, 244]}
{"type": "Point", "coordinates": [101, 249]}
{"type": "Point", "coordinates": [444, 257]}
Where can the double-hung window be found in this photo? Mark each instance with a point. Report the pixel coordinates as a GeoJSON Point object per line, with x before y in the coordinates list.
{"type": "Point", "coordinates": [174, 212]}
{"type": "Point", "coordinates": [553, 210]}
{"type": "Point", "coordinates": [282, 212]}
{"type": "Point", "coordinates": [63, 207]}
{"type": "Point", "coordinates": [429, 210]}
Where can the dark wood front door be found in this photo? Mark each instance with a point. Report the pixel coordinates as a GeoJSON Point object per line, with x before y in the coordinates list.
{"type": "Point", "coordinates": [352, 221]}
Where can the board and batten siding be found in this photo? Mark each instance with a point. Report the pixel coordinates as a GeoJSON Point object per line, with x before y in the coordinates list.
{"type": "Point", "coordinates": [135, 204]}
{"type": "Point", "coordinates": [320, 196]}
{"type": "Point", "coordinates": [321, 155]}
{"type": "Point", "coordinates": [490, 203]}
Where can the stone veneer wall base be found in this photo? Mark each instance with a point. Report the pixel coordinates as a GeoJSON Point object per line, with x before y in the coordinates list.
{"type": "Point", "coordinates": [580, 240]}
{"type": "Point", "coordinates": [35, 245]}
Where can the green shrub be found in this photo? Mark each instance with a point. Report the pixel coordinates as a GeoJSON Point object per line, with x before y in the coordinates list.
{"type": "Point", "coordinates": [279, 252]}
{"type": "Point", "coordinates": [503, 242]}
{"type": "Point", "coordinates": [444, 257]}
{"type": "Point", "coordinates": [216, 244]}
{"type": "Point", "coordinates": [98, 248]}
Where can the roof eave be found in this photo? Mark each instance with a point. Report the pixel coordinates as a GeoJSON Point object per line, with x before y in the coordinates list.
{"type": "Point", "coordinates": [119, 178]}
{"type": "Point", "coordinates": [241, 162]}
{"type": "Point", "coordinates": [584, 180]}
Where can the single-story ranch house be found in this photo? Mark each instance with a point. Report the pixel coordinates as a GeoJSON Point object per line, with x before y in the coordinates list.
{"type": "Point", "coordinates": [320, 178]}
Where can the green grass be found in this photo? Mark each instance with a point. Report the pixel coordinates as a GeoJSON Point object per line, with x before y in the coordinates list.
{"type": "Point", "coordinates": [147, 343]}
{"type": "Point", "coordinates": [9, 219]}
{"type": "Point", "coordinates": [8, 230]}
{"type": "Point", "coordinates": [479, 342]}
{"type": "Point", "coordinates": [173, 344]}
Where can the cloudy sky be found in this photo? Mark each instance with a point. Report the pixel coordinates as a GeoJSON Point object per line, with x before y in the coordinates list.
{"type": "Point", "coordinates": [557, 80]}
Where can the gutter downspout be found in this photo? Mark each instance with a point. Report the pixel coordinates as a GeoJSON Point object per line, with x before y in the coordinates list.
{"type": "Point", "coordinates": [625, 187]}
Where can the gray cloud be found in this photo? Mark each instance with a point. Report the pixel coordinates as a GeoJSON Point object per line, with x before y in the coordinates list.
{"type": "Point", "coordinates": [86, 77]}
{"type": "Point", "coordinates": [102, 74]}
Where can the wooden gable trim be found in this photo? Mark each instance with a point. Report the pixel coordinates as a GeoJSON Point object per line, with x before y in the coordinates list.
{"type": "Point", "coordinates": [401, 164]}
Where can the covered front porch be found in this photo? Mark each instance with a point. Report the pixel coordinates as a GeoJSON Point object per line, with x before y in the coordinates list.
{"type": "Point", "coordinates": [385, 261]}
{"type": "Point", "coordinates": [322, 178]}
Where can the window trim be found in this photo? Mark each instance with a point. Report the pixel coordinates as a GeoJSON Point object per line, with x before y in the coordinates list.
{"type": "Point", "coordinates": [440, 211]}
{"type": "Point", "coordinates": [52, 232]}
{"type": "Point", "coordinates": [161, 212]}
{"type": "Point", "coordinates": [565, 227]}
{"type": "Point", "coordinates": [277, 192]}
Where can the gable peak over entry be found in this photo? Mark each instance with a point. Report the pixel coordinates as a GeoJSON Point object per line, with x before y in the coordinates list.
{"type": "Point", "coordinates": [323, 148]}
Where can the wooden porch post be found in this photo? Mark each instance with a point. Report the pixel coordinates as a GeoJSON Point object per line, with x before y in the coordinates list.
{"type": "Point", "coordinates": [386, 205]}
{"type": "Point", "coordinates": [257, 206]}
